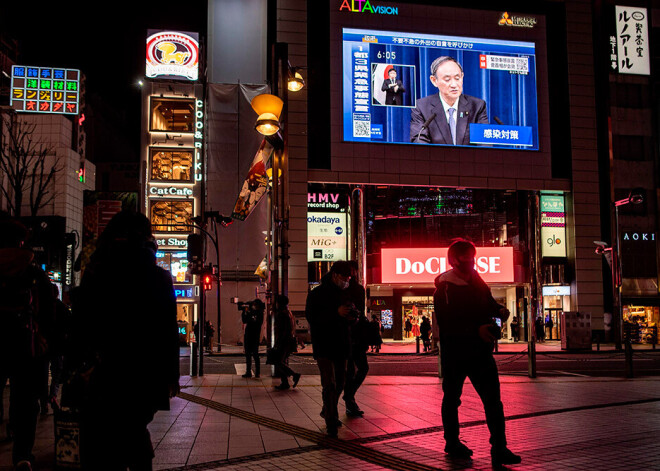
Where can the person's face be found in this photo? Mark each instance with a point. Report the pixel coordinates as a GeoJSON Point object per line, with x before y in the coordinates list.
{"type": "Point", "coordinates": [464, 263]}
{"type": "Point", "coordinates": [341, 280]}
{"type": "Point", "coordinates": [392, 74]}
{"type": "Point", "coordinates": [449, 80]}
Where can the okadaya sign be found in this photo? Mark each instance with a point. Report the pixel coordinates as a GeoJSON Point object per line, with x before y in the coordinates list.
{"type": "Point", "coordinates": [494, 264]}
{"type": "Point", "coordinates": [326, 237]}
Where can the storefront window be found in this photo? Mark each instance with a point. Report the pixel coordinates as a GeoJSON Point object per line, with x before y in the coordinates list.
{"type": "Point", "coordinates": [640, 323]}
{"type": "Point", "coordinates": [172, 115]}
{"type": "Point", "coordinates": [171, 216]}
{"type": "Point", "coordinates": [172, 165]}
{"type": "Point", "coordinates": [176, 263]}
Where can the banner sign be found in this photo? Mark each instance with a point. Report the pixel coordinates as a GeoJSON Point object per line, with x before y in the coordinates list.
{"type": "Point", "coordinates": [494, 264]}
{"type": "Point", "coordinates": [45, 89]}
{"type": "Point", "coordinates": [172, 54]}
{"type": "Point", "coordinates": [632, 40]}
{"type": "Point", "coordinates": [327, 226]}
{"type": "Point", "coordinates": [553, 226]}
{"type": "Point", "coordinates": [255, 185]}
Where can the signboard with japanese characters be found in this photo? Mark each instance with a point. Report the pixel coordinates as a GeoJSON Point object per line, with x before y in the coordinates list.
{"type": "Point", "coordinates": [45, 89]}
{"type": "Point", "coordinates": [553, 226]}
{"type": "Point", "coordinates": [632, 41]}
{"type": "Point", "coordinates": [327, 226]}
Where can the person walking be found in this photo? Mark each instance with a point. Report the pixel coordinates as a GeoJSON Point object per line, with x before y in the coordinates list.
{"type": "Point", "coordinates": [540, 329]}
{"type": "Point", "coordinates": [464, 310]}
{"type": "Point", "coordinates": [425, 333]}
{"type": "Point", "coordinates": [330, 312]}
{"type": "Point", "coordinates": [357, 366]}
{"type": "Point", "coordinates": [515, 328]}
{"type": "Point", "coordinates": [253, 318]}
{"type": "Point", "coordinates": [209, 332]}
{"type": "Point", "coordinates": [27, 314]}
{"type": "Point", "coordinates": [549, 324]}
{"type": "Point", "coordinates": [114, 434]}
{"type": "Point", "coordinates": [376, 333]}
{"type": "Point", "coordinates": [285, 342]}
{"type": "Point", "coordinates": [408, 328]}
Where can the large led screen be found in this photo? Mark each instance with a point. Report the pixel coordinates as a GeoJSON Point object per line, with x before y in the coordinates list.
{"type": "Point", "coordinates": [482, 92]}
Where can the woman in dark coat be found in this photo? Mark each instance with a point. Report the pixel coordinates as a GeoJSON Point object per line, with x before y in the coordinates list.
{"type": "Point", "coordinates": [285, 342]}
{"type": "Point", "coordinates": [124, 296]}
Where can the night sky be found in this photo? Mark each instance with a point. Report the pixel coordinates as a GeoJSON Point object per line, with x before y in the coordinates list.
{"type": "Point", "coordinates": [106, 41]}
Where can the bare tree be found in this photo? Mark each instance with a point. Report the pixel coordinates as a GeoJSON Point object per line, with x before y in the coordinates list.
{"type": "Point", "coordinates": [26, 166]}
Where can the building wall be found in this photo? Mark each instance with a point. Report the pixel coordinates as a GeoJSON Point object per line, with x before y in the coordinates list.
{"type": "Point", "coordinates": [408, 165]}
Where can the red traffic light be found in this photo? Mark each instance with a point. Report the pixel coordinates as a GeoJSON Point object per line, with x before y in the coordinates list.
{"type": "Point", "coordinates": [207, 282]}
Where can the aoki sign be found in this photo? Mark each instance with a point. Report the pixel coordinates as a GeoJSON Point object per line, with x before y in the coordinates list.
{"type": "Point", "coordinates": [494, 264]}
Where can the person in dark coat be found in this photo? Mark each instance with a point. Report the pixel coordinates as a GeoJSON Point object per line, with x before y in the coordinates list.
{"type": "Point", "coordinates": [425, 333]}
{"type": "Point", "coordinates": [549, 324]}
{"type": "Point", "coordinates": [330, 312]}
{"type": "Point", "coordinates": [285, 342]}
{"type": "Point", "coordinates": [464, 310]}
{"type": "Point", "coordinates": [515, 328]}
{"type": "Point", "coordinates": [357, 365]}
{"type": "Point", "coordinates": [27, 313]}
{"type": "Point", "coordinates": [540, 329]}
{"type": "Point", "coordinates": [253, 318]}
{"type": "Point", "coordinates": [393, 88]}
{"type": "Point", "coordinates": [114, 419]}
{"type": "Point", "coordinates": [376, 333]}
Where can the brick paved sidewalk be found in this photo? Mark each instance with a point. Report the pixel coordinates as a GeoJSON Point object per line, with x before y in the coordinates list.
{"type": "Point", "coordinates": [231, 423]}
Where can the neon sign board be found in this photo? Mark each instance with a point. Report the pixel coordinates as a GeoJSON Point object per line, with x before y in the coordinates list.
{"type": "Point", "coordinates": [173, 55]}
{"type": "Point", "coordinates": [45, 89]}
{"type": "Point", "coordinates": [494, 264]}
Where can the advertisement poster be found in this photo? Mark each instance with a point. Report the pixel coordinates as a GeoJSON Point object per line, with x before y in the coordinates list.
{"type": "Point", "coordinates": [255, 185]}
{"type": "Point", "coordinates": [632, 40]}
{"type": "Point", "coordinates": [553, 226]}
{"type": "Point", "coordinates": [327, 225]}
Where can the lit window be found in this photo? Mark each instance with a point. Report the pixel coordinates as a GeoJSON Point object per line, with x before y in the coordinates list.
{"type": "Point", "coordinates": [172, 115]}
{"type": "Point", "coordinates": [172, 165]}
{"type": "Point", "coordinates": [171, 216]}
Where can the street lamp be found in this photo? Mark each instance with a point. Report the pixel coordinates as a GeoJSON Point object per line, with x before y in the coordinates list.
{"type": "Point", "coordinates": [636, 196]}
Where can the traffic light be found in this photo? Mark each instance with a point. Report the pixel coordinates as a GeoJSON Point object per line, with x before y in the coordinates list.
{"type": "Point", "coordinates": [207, 280]}
{"type": "Point", "coordinates": [196, 253]}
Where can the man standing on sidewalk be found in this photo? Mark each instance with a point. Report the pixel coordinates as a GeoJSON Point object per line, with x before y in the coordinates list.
{"type": "Point", "coordinates": [464, 309]}
{"type": "Point", "coordinates": [329, 312]}
{"type": "Point", "coordinates": [357, 365]}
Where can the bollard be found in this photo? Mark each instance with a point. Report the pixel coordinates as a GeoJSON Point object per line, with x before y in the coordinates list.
{"type": "Point", "coordinates": [193, 359]}
{"type": "Point", "coordinates": [417, 343]}
{"type": "Point", "coordinates": [628, 358]}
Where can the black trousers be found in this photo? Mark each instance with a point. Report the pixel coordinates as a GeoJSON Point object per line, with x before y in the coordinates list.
{"type": "Point", "coordinates": [480, 367]}
{"type": "Point", "coordinates": [248, 362]}
{"type": "Point", "coordinates": [357, 368]}
{"type": "Point", "coordinates": [25, 382]}
{"type": "Point", "coordinates": [282, 368]}
{"type": "Point", "coordinates": [333, 373]}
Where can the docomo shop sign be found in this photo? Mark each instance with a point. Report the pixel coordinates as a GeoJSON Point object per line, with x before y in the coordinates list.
{"type": "Point", "coordinates": [494, 264]}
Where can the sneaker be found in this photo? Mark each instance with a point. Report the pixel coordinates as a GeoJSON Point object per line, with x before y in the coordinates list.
{"type": "Point", "coordinates": [247, 375]}
{"type": "Point", "coordinates": [502, 456]}
{"type": "Point", "coordinates": [296, 378]}
{"type": "Point", "coordinates": [458, 450]}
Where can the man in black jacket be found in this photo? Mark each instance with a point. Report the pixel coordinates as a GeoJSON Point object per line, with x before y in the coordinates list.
{"type": "Point", "coordinates": [464, 310]}
{"type": "Point", "coordinates": [357, 365]}
{"type": "Point", "coordinates": [328, 311]}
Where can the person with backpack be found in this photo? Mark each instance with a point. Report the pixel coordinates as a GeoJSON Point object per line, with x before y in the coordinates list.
{"type": "Point", "coordinates": [27, 313]}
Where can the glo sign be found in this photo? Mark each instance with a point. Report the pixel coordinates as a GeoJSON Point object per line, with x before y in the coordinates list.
{"type": "Point", "coordinates": [553, 226]}
{"type": "Point", "coordinates": [45, 89]}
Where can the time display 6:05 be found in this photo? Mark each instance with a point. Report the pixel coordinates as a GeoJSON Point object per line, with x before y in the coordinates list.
{"type": "Point", "coordinates": [386, 55]}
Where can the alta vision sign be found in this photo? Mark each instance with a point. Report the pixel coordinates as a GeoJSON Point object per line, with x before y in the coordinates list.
{"type": "Point", "coordinates": [364, 6]}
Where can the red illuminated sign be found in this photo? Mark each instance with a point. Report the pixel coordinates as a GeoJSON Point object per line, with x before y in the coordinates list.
{"type": "Point", "coordinates": [494, 264]}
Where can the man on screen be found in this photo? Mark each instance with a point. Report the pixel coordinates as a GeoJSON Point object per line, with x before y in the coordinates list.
{"type": "Point", "coordinates": [444, 118]}
{"type": "Point", "coordinates": [393, 89]}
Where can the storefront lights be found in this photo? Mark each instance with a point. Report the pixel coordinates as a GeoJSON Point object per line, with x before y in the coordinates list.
{"type": "Point", "coordinates": [268, 107]}
{"type": "Point", "coordinates": [296, 82]}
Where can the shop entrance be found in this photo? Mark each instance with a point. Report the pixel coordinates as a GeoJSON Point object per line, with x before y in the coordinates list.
{"type": "Point", "coordinates": [641, 323]}
{"type": "Point", "coordinates": [553, 306]}
{"type": "Point", "coordinates": [413, 310]}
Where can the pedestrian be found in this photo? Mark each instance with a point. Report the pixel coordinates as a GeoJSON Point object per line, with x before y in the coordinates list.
{"type": "Point", "coordinates": [464, 309]}
{"type": "Point", "coordinates": [253, 318]}
{"type": "Point", "coordinates": [408, 327]}
{"type": "Point", "coordinates": [357, 365]}
{"type": "Point", "coordinates": [27, 313]}
{"type": "Point", "coordinates": [125, 383]}
{"type": "Point", "coordinates": [209, 332]}
{"type": "Point", "coordinates": [425, 333]}
{"type": "Point", "coordinates": [330, 312]}
{"type": "Point", "coordinates": [285, 342]}
{"type": "Point", "coordinates": [515, 328]}
{"type": "Point", "coordinates": [549, 324]}
{"type": "Point", "coordinates": [539, 328]}
{"type": "Point", "coordinates": [376, 333]}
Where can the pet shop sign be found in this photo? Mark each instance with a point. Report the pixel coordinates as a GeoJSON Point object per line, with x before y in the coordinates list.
{"type": "Point", "coordinates": [173, 55]}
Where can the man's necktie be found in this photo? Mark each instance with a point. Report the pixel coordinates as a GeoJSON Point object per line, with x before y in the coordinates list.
{"type": "Point", "coordinates": [452, 124]}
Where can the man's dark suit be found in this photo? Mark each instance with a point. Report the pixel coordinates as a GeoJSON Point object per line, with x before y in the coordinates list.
{"type": "Point", "coordinates": [392, 97]}
{"type": "Point", "coordinates": [470, 110]}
